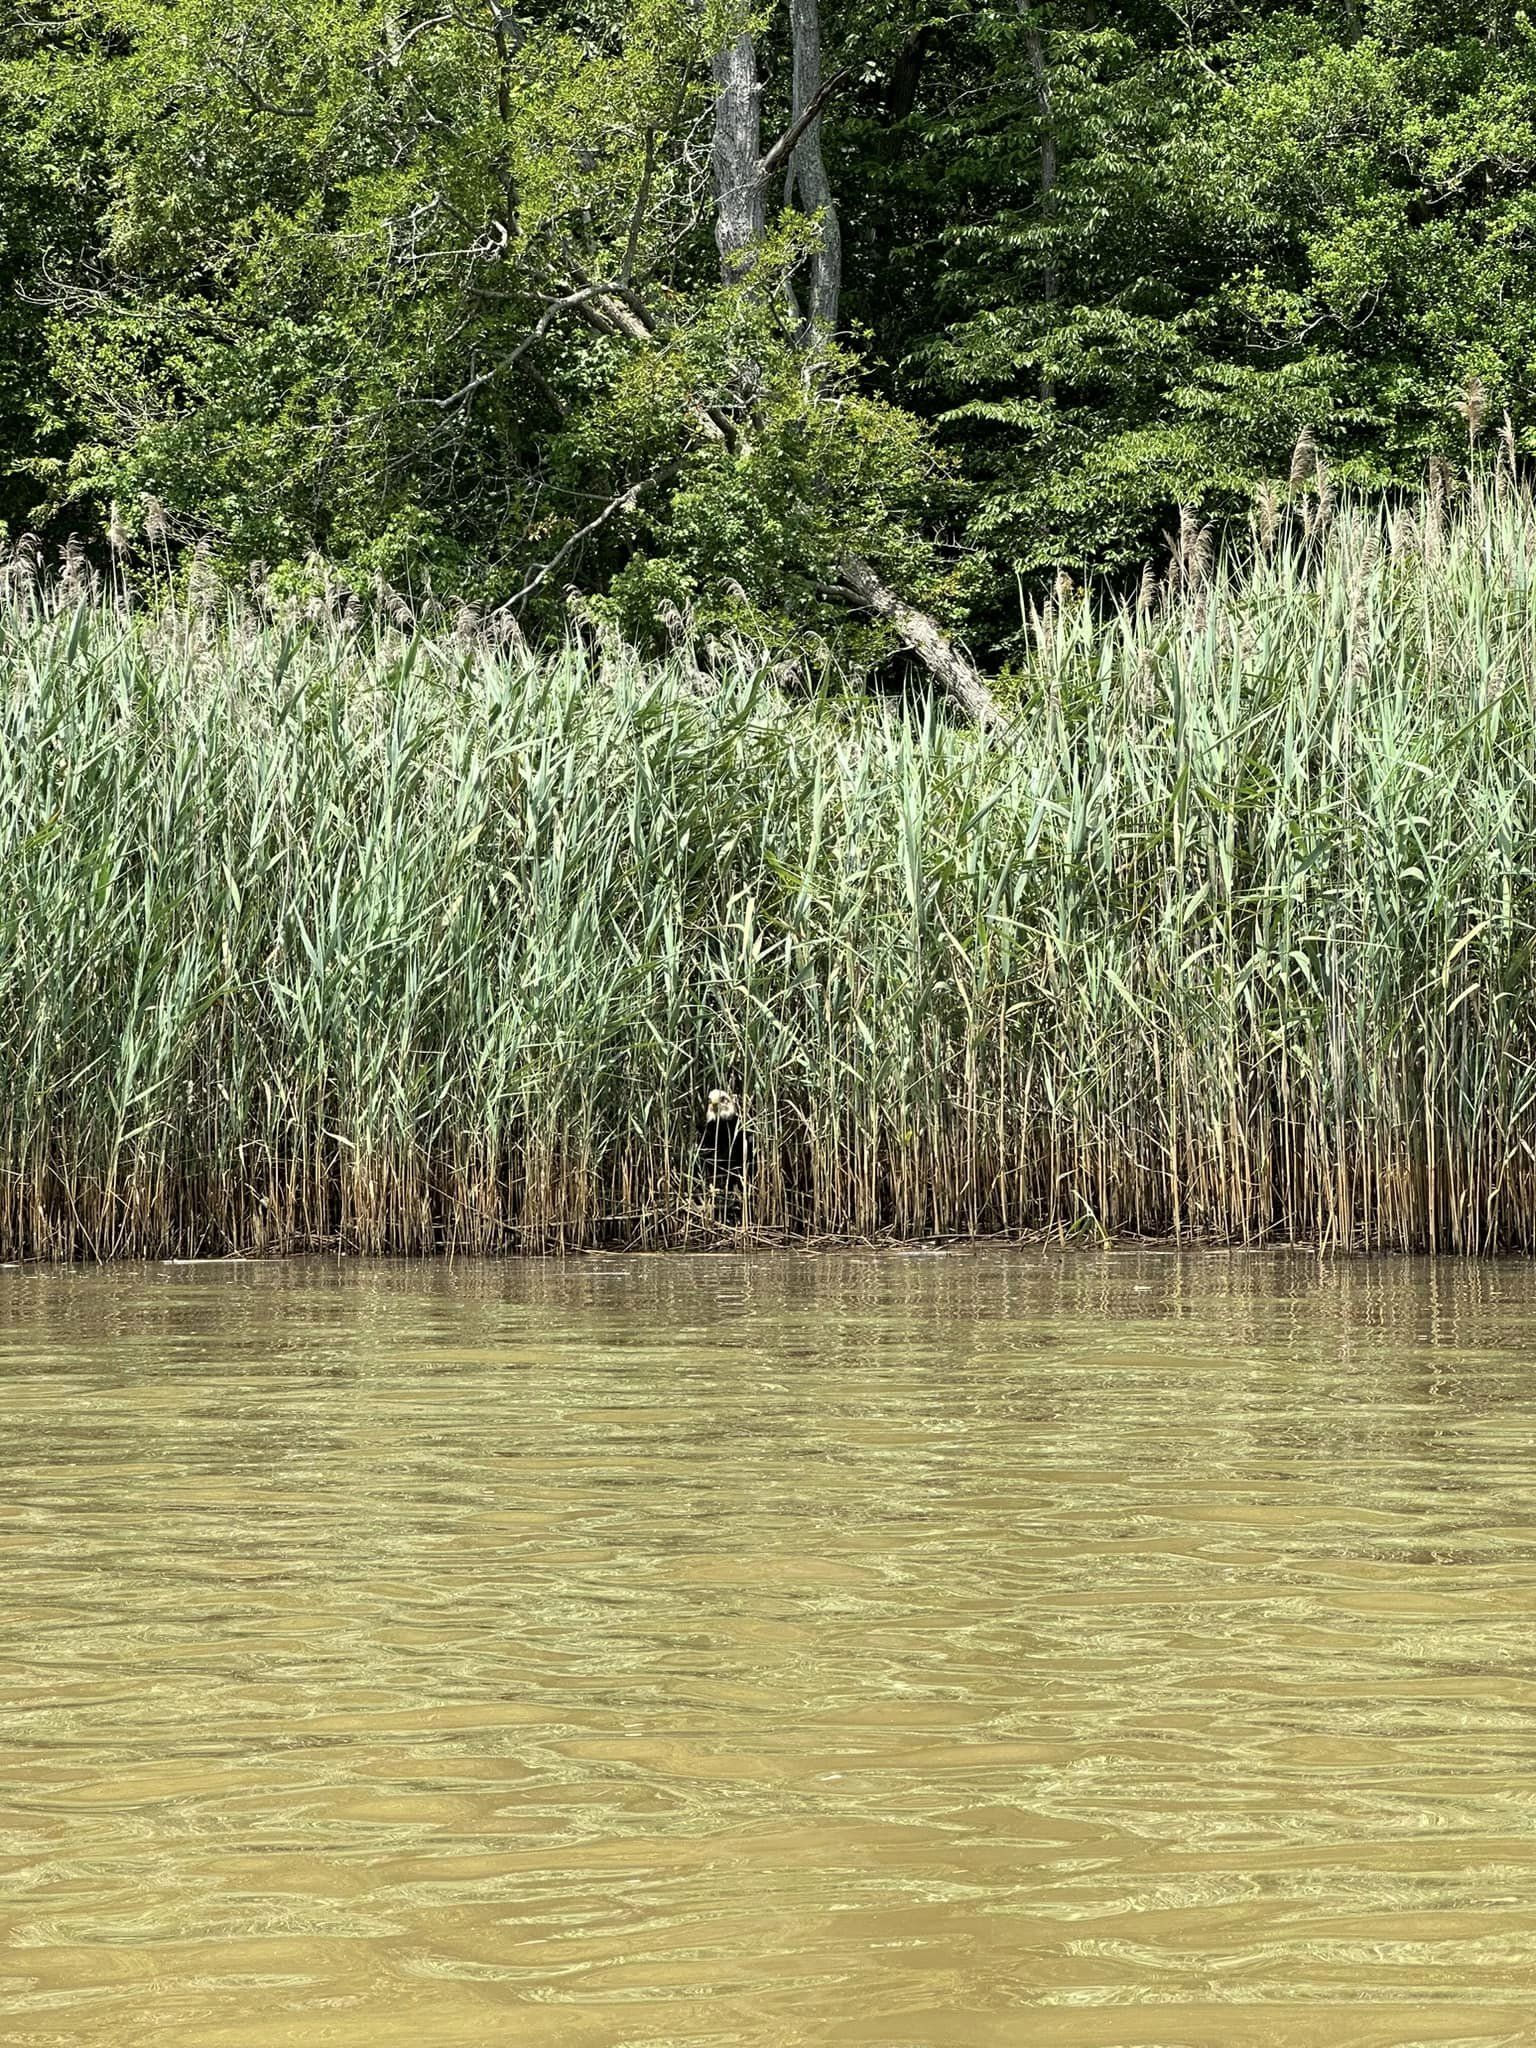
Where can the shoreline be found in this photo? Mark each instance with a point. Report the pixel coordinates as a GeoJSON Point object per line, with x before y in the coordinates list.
{"type": "Point", "coordinates": [774, 1248]}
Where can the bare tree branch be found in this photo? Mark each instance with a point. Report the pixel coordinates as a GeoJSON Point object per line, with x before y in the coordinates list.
{"type": "Point", "coordinates": [536, 333]}
{"type": "Point", "coordinates": [626, 501]}
{"type": "Point", "coordinates": [784, 148]}
{"type": "Point", "coordinates": [256, 99]}
{"type": "Point", "coordinates": [642, 201]}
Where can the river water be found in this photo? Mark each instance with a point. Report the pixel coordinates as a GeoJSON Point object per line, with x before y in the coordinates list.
{"type": "Point", "coordinates": [1071, 1650]}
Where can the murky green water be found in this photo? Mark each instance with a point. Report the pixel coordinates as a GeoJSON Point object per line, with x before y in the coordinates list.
{"type": "Point", "coordinates": [921, 1652]}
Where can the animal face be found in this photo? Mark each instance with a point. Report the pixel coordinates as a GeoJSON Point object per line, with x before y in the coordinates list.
{"type": "Point", "coordinates": [721, 1104]}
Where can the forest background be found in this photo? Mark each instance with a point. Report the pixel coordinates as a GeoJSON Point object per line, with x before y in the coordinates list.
{"type": "Point", "coordinates": [658, 312]}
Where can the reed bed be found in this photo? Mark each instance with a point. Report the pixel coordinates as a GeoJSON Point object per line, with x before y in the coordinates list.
{"type": "Point", "coordinates": [343, 936]}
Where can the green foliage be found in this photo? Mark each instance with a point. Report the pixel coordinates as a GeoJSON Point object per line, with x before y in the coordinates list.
{"type": "Point", "coordinates": [1280, 217]}
{"type": "Point", "coordinates": [432, 293]}
{"type": "Point", "coordinates": [424, 296]}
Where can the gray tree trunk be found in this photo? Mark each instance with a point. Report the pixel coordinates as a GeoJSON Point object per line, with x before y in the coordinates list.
{"type": "Point", "coordinates": [808, 180]}
{"type": "Point", "coordinates": [736, 159]}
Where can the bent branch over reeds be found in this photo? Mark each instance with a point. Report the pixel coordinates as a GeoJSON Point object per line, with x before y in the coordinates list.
{"type": "Point", "coordinates": [310, 939]}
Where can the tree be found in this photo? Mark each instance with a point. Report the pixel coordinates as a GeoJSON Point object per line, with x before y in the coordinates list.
{"type": "Point", "coordinates": [433, 291]}
{"type": "Point", "coordinates": [1121, 258]}
{"type": "Point", "coordinates": [742, 171]}
{"type": "Point", "coordinates": [427, 294]}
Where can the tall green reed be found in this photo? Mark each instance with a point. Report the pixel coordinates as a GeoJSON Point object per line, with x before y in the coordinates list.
{"type": "Point", "coordinates": [329, 935]}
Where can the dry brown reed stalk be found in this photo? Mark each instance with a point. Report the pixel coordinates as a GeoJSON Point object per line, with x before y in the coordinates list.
{"type": "Point", "coordinates": [1326, 497]}
{"type": "Point", "coordinates": [1188, 546]}
{"type": "Point", "coordinates": [1204, 555]}
{"type": "Point", "coordinates": [1357, 665]}
{"type": "Point", "coordinates": [157, 532]}
{"type": "Point", "coordinates": [1303, 458]}
{"type": "Point", "coordinates": [501, 630]}
{"type": "Point", "coordinates": [1265, 521]}
{"type": "Point", "coordinates": [202, 582]}
{"type": "Point", "coordinates": [75, 579]}
{"type": "Point", "coordinates": [119, 548]}
{"type": "Point", "coordinates": [1182, 545]}
{"type": "Point", "coordinates": [394, 607]}
{"type": "Point", "coordinates": [23, 577]}
{"type": "Point", "coordinates": [1472, 403]}
{"type": "Point", "coordinates": [1436, 498]}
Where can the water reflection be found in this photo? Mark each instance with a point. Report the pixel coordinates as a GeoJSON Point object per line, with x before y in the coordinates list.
{"type": "Point", "coordinates": [989, 1648]}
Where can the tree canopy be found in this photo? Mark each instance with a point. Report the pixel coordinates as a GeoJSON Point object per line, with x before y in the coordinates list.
{"type": "Point", "coordinates": [665, 309]}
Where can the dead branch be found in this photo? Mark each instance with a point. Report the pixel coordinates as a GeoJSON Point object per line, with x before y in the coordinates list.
{"type": "Point", "coordinates": [963, 683]}
{"type": "Point", "coordinates": [626, 501]}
